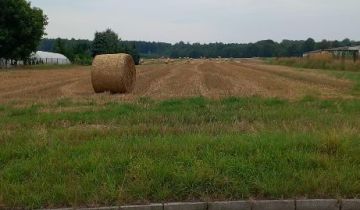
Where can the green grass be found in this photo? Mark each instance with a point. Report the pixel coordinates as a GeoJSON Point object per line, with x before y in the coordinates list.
{"type": "Point", "coordinates": [178, 150]}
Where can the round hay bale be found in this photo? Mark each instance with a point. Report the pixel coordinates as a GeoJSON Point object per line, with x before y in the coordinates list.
{"type": "Point", "coordinates": [114, 72]}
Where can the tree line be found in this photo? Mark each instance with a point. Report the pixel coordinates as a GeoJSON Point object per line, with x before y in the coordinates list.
{"type": "Point", "coordinates": [266, 48]}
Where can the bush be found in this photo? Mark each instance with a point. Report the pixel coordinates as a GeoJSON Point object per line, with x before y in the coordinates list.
{"type": "Point", "coordinates": [83, 60]}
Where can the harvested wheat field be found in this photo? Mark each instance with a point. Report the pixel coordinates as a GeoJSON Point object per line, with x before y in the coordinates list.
{"type": "Point", "coordinates": [211, 79]}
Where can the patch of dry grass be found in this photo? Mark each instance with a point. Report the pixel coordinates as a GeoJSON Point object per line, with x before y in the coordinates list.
{"type": "Point", "coordinates": [320, 61]}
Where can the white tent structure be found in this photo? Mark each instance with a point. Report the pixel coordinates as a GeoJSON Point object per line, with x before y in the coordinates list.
{"type": "Point", "coordinates": [41, 57]}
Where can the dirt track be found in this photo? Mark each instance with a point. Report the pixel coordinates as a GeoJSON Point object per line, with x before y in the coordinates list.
{"type": "Point", "coordinates": [199, 78]}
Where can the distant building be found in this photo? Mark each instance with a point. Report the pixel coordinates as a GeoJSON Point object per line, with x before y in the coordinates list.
{"type": "Point", "coordinates": [41, 57]}
{"type": "Point", "coordinates": [339, 52]}
{"type": "Point", "coordinates": [307, 54]}
{"type": "Point", "coordinates": [342, 52]}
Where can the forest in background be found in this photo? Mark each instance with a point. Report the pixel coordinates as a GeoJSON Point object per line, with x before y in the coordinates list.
{"type": "Point", "coordinates": [80, 51]}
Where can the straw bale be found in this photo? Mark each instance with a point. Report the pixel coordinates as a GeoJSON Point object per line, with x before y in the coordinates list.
{"type": "Point", "coordinates": [113, 72]}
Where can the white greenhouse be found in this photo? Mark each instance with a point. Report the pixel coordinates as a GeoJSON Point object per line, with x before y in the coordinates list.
{"type": "Point", "coordinates": [41, 57]}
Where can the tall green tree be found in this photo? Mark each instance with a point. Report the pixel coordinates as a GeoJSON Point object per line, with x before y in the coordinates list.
{"type": "Point", "coordinates": [21, 29]}
{"type": "Point", "coordinates": [59, 46]}
{"type": "Point", "coordinates": [106, 42]}
{"type": "Point", "coordinates": [324, 44]}
{"type": "Point", "coordinates": [309, 45]}
{"type": "Point", "coordinates": [346, 42]}
{"type": "Point", "coordinates": [65, 48]}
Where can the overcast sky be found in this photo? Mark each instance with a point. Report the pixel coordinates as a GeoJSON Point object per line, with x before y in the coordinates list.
{"type": "Point", "coordinates": [204, 21]}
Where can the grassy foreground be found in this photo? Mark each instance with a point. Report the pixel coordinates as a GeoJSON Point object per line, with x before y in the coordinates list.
{"type": "Point", "coordinates": [89, 154]}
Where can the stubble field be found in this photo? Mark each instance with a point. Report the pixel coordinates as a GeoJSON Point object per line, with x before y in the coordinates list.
{"type": "Point", "coordinates": [211, 79]}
